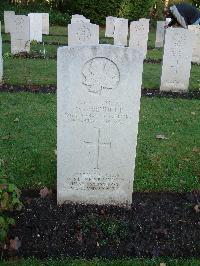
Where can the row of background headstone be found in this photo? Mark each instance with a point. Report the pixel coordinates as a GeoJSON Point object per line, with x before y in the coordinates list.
{"type": "Point", "coordinates": [160, 39]}
{"type": "Point", "coordinates": [24, 29]}
{"type": "Point", "coordinates": [81, 31]}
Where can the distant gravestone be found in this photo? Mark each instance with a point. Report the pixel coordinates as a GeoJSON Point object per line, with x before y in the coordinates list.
{"type": "Point", "coordinates": [79, 19]}
{"type": "Point", "coordinates": [1, 58]}
{"type": "Point", "coordinates": [83, 33]}
{"type": "Point", "coordinates": [35, 27]}
{"type": "Point", "coordinates": [8, 18]}
{"type": "Point", "coordinates": [20, 35]}
{"type": "Point", "coordinates": [176, 60]}
{"type": "Point", "coordinates": [160, 34]}
{"type": "Point", "coordinates": [196, 45]}
{"type": "Point", "coordinates": [145, 23]}
{"type": "Point", "coordinates": [98, 99]}
{"type": "Point", "coordinates": [45, 23]}
{"type": "Point", "coordinates": [110, 26]}
{"type": "Point", "coordinates": [121, 31]}
{"type": "Point", "coordinates": [138, 37]}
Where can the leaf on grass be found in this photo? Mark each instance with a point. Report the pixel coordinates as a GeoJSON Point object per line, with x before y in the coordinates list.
{"type": "Point", "coordinates": [7, 137]}
{"type": "Point", "coordinates": [196, 149]}
{"type": "Point", "coordinates": [55, 151]}
{"type": "Point", "coordinates": [193, 113]}
{"type": "Point", "coordinates": [15, 244]}
{"type": "Point", "coordinates": [197, 208]}
{"type": "Point", "coordinates": [44, 192]}
{"type": "Point", "coordinates": [159, 136]}
{"type": "Point", "coordinates": [16, 119]}
{"type": "Point", "coordinates": [163, 264]}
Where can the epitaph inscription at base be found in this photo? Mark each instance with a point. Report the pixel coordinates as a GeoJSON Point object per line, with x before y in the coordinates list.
{"type": "Point", "coordinates": [97, 121]}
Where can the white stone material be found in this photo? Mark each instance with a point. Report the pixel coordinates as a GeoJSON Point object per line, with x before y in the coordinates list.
{"type": "Point", "coordinates": [138, 37]}
{"type": "Point", "coordinates": [1, 57]}
{"type": "Point", "coordinates": [35, 27]}
{"type": "Point", "coordinates": [168, 20]}
{"type": "Point", "coordinates": [196, 47]}
{"type": "Point", "coordinates": [98, 101]}
{"type": "Point", "coordinates": [79, 19]}
{"type": "Point", "coordinates": [177, 60]}
{"type": "Point", "coordinates": [8, 18]}
{"type": "Point", "coordinates": [121, 31]}
{"type": "Point", "coordinates": [45, 23]}
{"type": "Point", "coordinates": [160, 34]}
{"type": "Point", "coordinates": [20, 34]}
{"type": "Point", "coordinates": [83, 33]}
{"type": "Point", "coordinates": [145, 23]}
{"type": "Point", "coordinates": [110, 26]}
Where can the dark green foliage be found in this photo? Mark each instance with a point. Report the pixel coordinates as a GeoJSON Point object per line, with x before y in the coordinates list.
{"type": "Point", "coordinates": [60, 11]}
{"type": "Point", "coordinates": [9, 201]}
{"type": "Point", "coordinates": [97, 10]}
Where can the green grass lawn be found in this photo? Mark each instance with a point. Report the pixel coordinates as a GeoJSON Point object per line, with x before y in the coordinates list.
{"type": "Point", "coordinates": [28, 146]}
{"type": "Point", "coordinates": [97, 262]}
{"type": "Point", "coordinates": [43, 72]}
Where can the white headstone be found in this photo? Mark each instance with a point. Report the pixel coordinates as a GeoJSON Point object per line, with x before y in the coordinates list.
{"type": "Point", "coordinates": [160, 34]}
{"type": "Point", "coordinates": [138, 37]}
{"type": "Point", "coordinates": [45, 23]}
{"type": "Point", "coordinates": [79, 19]}
{"type": "Point", "coordinates": [176, 60]}
{"type": "Point", "coordinates": [110, 26]}
{"type": "Point", "coordinates": [196, 47]}
{"type": "Point", "coordinates": [98, 101]}
{"type": "Point", "coordinates": [83, 33]}
{"type": "Point", "coordinates": [121, 31]}
{"type": "Point", "coordinates": [1, 58]}
{"type": "Point", "coordinates": [145, 23]}
{"type": "Point", "coordinates": [8, 17]}
{"type": "Point", "coordinates": [20, 34]}
{"type": "Point", "coordinates": [35, 27]}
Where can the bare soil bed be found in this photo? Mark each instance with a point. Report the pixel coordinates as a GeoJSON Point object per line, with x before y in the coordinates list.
{"type": "Point", "coordinates": [157, 224]}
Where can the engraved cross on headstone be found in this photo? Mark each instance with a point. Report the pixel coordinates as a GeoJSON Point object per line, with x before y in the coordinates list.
{"type": "Point", "coordinates": [98, 144]}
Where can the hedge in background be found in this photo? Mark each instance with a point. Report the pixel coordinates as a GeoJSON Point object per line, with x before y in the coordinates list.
{"type": "Point", "coordinates": [96, 10]}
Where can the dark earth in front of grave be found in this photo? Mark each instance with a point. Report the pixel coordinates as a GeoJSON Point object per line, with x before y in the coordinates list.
{"type": "Point", "coordinates": [157, 224]}
{"type": "Point", "coordinates": [145, 91]}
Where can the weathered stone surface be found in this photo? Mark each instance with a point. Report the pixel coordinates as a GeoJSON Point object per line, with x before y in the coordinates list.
{"type": "Point", "coordinates": [20, 34]}
{"type": "Point", "coordinates": [121, 31]}
{"type": "Point", "coordinates": [35, 27]}
{"type": "Point", "coordinates": [110, 26]}
{"type": "Point", "coordinates": [160, 34]}
{"type": "Point", "coordinates": [195, 29]}
{"type": "Point", "coordinates": [83, 33]}
{"type": "Point", "coordinates": [79, 19]}
{"type": "Point", "coordinates": [138, 37]}
{"type": "Point", "coordinates": [45, 23]}
{"type": "Point", "coordinates": [176, 60]}
{"type": "Point", "coordinates": [8, 18]}
{"type": "Point", "coordinates": [98, 101]}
